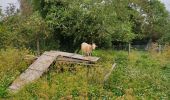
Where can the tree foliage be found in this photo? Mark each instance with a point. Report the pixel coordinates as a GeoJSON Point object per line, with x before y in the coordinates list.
{"type": "Point", "coordinates": [165, 38]}
{"type": "Point", "coordinates": [72, 22]}
{"type": "Point", "coordinates": [19, 31]}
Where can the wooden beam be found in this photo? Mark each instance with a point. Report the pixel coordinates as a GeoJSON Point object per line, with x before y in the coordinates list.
{"type": "Point", "coordinates": [108, 74]}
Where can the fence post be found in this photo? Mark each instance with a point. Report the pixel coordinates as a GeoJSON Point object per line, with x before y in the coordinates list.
{"type": "Point", "coordinates": [159, 48]}
{"type": "Point", "coordinates": [129, 47]}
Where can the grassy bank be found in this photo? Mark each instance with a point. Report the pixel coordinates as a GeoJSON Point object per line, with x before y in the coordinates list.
{"type": "Point", "coordinates": [140, 75]}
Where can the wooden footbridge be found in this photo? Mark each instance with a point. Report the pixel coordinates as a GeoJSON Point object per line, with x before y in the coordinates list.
{"type": "Point", "coordinates": [41, 65]}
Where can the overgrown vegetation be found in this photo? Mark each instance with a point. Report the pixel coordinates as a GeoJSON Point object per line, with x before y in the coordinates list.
{"type": "Point", "coordinates": [11, 65]}
{"type": "Point", "coordinates": [41, 25]}
{"type": "Point", "coordinates": [137, 76]}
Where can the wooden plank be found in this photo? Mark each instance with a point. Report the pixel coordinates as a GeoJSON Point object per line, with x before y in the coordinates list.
{"type": "Point", "coordinates": [67, 59]}
{"type": "Point", "coordinates": [43, 62]}
{"type": "Point", "coordinates": [79, 63]}
{"type": "Point", "coordinates": [77, 56]}
{"type": "Point", "coordinates": [26, 77]}
{"type": "Point", "coordinates": [34, 71]}
{"type": "Point", "coordinates": [63, 53]}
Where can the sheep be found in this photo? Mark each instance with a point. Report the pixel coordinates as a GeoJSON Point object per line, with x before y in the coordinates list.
{"type": "Point", "coordinates": [87, 48]}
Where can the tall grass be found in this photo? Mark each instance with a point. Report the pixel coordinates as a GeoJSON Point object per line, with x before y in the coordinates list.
{"type": "Point", "coordinates": [139, 75]}
{"type": "Point", "coordinates": [11, 65]}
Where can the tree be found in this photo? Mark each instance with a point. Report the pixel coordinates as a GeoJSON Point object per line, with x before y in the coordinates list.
{"type": "Point", "coordinates": [104, 22]}
{"type": "Point", "coordinates": [37, 29]}
{"type": "Point", "coordinates": [7, 25]}
{"type": "Point", "coordinates": [155, 17]}
{"type": "Point", "coordinates": [71, 23]}
{"type": "Point", "coordinates": [26, 8]}
{"type": "Point", "coordinates": [166, 37]}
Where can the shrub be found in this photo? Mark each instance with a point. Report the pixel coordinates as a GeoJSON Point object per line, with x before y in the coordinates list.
{"type": "Point", "coordinates": [11, 65]}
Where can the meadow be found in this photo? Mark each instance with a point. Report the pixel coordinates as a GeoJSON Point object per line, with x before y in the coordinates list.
{"type": "Point", "coordinates": [139, 75]}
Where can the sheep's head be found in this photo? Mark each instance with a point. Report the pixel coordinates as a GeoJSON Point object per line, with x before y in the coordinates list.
{"type": "Point", "coordinates": [93, 46]}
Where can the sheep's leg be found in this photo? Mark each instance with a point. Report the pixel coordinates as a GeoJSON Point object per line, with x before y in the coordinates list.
{"type": "Point", "coordinates": [84, 54]}
{"type": "Point", "coordinates": [87, 54]}
{"type": "Point", "coordinates": [90, 53]}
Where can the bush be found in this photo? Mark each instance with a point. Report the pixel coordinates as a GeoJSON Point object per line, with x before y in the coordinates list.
{"type": "Point", "coordinates": [11, 65]}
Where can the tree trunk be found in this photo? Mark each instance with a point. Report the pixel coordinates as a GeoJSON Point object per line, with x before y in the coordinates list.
{"type": "Point", "coordinates": [38, 47]}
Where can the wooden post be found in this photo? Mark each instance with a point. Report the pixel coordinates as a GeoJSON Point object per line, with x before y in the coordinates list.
{"type": "Point", "coordinates": [129, 48]}
{"type": "Point", "coordinates": [108, 74]}
{"type": "Point", "coordinates": [159, 48]}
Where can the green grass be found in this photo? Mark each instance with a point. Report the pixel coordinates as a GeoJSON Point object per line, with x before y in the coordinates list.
{"type": "Point", "coordinates": [143, 77]}
{"type": "Point", "coordinates": [139, 75]}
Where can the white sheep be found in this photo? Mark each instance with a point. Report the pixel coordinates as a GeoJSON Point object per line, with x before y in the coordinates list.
{"type": "Point", "coordinates": [87, 48]}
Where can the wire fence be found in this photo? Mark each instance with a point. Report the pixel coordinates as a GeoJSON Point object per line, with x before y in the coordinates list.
{"type": "Point", "coordinates": [126, 47]}
{"type": "Point", "coordinates": [151, 47]}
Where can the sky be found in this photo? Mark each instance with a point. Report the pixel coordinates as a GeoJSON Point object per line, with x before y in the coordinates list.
{"type": "Point", "coordinates": [167, 4]}
{"type": "Point", "coordinates": [4, 3]}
